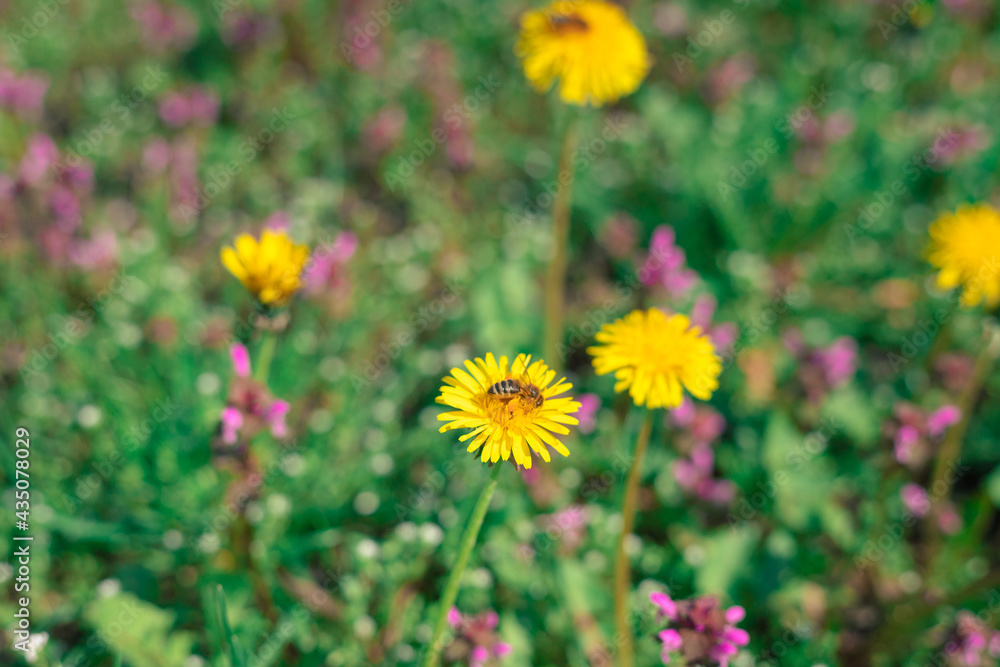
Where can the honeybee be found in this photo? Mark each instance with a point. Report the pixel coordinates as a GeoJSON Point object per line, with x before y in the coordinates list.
{"type": "Point", "coordinates": [510, 388]}
{"type": "Point", "coordinates": [566, 21]}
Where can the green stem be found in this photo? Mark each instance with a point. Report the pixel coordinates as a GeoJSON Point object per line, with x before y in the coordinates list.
{"type": "Point", "coordinates": [555, 279]}
{"type": "Point", "coordinates": [951, 448]}
{"type": "Point", "coordinates": [622, 572]}
{"type": "Point", "coordinates": [433, 655]}
{"type": "Point", "coordinates": [265, 354]}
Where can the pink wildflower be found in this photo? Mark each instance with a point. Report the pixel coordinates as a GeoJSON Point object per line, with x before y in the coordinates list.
{"type": "Point", "coordinates": [823, 369]}
{"type": "Point", "coordinates": [665, 265]}
{"type": "Point", "coordinates": [21, 93]}
{"type": "Point", "coordinates": [916, 434]}
{"type": "Point", "coordinates": [250, 407]}
{"type": "Point", "coordinates": [971, 643]}
{"type": "Point", "coordinates": [699, 630]}
{"type": "Point", "coordinates": [194, 105]}
{"type": "Point", "coordinates": [383, 131]}
{"type": "Point", "coordinates": [242, 28]}
{"type": "Point", "coordinates": [838, 361]}
{"type": "Point", "coordinates": [587, 414]}
{"type": "Point", "coordinates": [164, 27]}
{"type": "Point", "coordinates": [569, 525]}
{"type": "Point", "coordinates": [696, 475]}
{"type": "Point", "coordinates": [916, 500]}
{"type": "Point", "coordinates": [701, 422]}
{"type": "Point", "coordinates": [39, 157]}
{"type": "Point", "coordinates": [723, 335]}
{"type": "Point", "coordinates": [476, 638]}
{"type": "Point", "coordinates": [327, 269]}
{"type": "Point", "coordinates": [939, 420]}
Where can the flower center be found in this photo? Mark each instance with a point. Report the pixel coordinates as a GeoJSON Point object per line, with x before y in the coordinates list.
{"type": "Point", "coordinates": [509, 411]}
{"type": "Point", "coordinates": [664, 359]}
{"type": "Point", "coordinates": [563, 24]}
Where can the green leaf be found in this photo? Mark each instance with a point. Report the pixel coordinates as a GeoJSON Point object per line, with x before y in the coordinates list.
{"type": "Point", "coordinates": [138, 632]}
{"type": "Point", "coordinates": [727, 555]}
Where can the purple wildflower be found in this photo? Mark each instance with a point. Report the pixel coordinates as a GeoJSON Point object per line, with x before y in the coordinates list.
{"type": "Point", "coordinates": [156, 156]}
{"type": "Point", "coordinates": [40, 156]}
{"type": "Point", "coordinates": [665, 265]}
{"type": "Point", "coordinates": [918, 503]}
{"type": "Point", "coordinates": [725, 80]}
{"type": "Point", "coordinates": [696, 475]}
{"type": "Point", "coordinates": [699, 630]}
{"type": "Point", "coordinates": [384, 129]}
{"type": "Point", "coordinates": [194, 105]}
{"type": "Point", "coordinates": [243, 27]}
{"type": "Point", "coordinates": [723, 335]}
{"type": "Point", "coordinates": [619, 235]}
{"type": "Point", "coordinates": [476, 638]}
{"type": "Point", "coordinates": [916, 434]}
{"type": "Point", "coordinates": [327, 269]}
{"type": "Point", "coordinates": [976, 10]}
{"type": "Point", "coordinates": [915, 497]}
{"type": "Point", "coordinates": [164, 27]}
{"type": "Point", "coordinates": [21, 93]}
{"type": "Point", "coordinates": [587, 414]}
{"type": "Point", "coordinates": [823, 369]}
{"type": "Point", "coordinates": [838, 361]}
{"type": "Point", "coordinates": [939, 420]}
{"type": "Point", "coordinates": [101, 249]}
{"type": "Point", "coordinates": [250, 407]}
{"type": "Point", "coordinates": [569, 525]}
{"type": "Point", "coordinates": [971, 643]}
{"type": "Point", "coordinates": [701, 422]}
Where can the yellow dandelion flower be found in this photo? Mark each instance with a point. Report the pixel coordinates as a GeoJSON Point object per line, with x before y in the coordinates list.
{"type": "Point", "coordinates": [965, 245]}
{"type": "Point", "coordinates": [511, 408]}
{"type": "Point", "coordinates": [589, 45]}
{"type": "Point", "coordinates": [271, 269]}
{"type": "Point", "coordinates": [654, 356]}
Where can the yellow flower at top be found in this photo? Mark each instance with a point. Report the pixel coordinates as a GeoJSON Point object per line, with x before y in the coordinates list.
{"type": "Point", "coordinates": [512, 409]}
{"type": "Point", "coordinates": [590, 46]}
{"type": "Point", "coordinates": [965, 245]}
{"type": "Point", "coordinates": [271, 268]}
{"type": "Point", "coordinates": [656, 356]}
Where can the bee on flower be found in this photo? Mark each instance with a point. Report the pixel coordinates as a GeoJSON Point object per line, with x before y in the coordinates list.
{"type": "Point", "coordinates": [513, 409]}
{"type": "Point", "coordinates": [589, 46]}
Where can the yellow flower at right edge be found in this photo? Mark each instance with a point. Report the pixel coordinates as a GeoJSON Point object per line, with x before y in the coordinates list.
{"type": "Point", "coordinates": [590, 46]}
{"type": "Point", "coordinates": [656, 357]}
{"type": "Point", "coordinates": [965, 245]}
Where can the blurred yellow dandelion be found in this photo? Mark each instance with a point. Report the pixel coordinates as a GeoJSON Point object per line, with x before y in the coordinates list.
{"type": "Point", "coordinates": [590, 46]}
{"type": "Point", "coordinates": [655, 356]}
{"type": "Point", "coordinates": [965, 245]}
{"type": "Point", "coordinates": [271, 269]}
{"type": "Point", "coordinates": [511, 408]}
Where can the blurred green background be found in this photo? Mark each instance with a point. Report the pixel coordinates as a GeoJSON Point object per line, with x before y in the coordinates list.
{"type": "Point", "coordinates": [799, 150]}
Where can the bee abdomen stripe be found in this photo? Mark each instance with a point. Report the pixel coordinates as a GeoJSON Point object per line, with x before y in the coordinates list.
{"type": "Point", "coordinates": [505, 387]}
